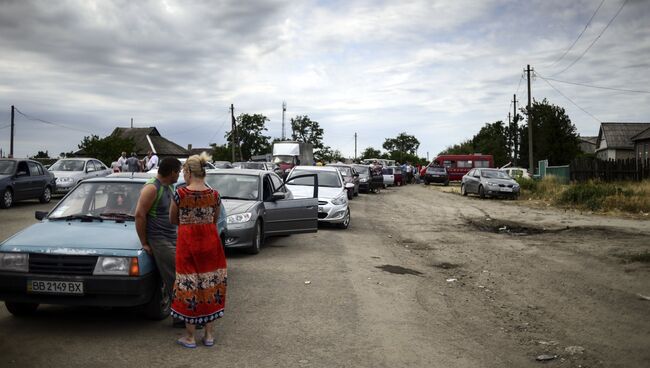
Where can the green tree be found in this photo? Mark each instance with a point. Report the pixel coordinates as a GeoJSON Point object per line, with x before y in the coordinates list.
{"type": "Point", "coordinates": [42, 154]}
{"type": "Point", "coordinates": [250, 136]}
{"type": "Point", "coordinates": [402, 144]}
{"type": "Point", "coordinates": [220, 152]}
{"type": "Point", "coordinates": [306, 130]}
{"type": "Point", "coordinates": [463, 148]}
{"type": "Point", "coordinates": [492, 139]}
{"type": "Point", "coordinates": [370, 152]}
{"type": "Point", "coordinates": [106, 149]}
{"type": "Point", "coordinates": [554, 136]}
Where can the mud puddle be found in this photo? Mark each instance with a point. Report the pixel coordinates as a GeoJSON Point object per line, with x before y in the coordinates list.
{"type": "Point", "coordinates": [399, 270]}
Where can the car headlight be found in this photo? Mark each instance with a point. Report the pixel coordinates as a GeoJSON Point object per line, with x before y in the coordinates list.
{"type": "Point", "coordinates": [65, 180]}
{"type": "Point", "coordinates": [489, 183]}
{"type": "Point", "coordinates": [239, 218]}
{"type": "Point", "coordinates": [342, 199]}
{"type": "Point", "coordinates": [363, 180]}
{"type": "Point", "coordinates": [18, 262]}
{"type": "Point", "coordinates": [114, 266]}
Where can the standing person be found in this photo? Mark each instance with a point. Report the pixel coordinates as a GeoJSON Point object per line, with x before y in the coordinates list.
{"type": "Point", "coordinates": [133, 163]}
{"type": "Point", "coordinates": [121, 162]}
{"type": "Point", "coordinates": [157, 234]}
{"type": "Point", "coordinates": [201, 277]}
{"type": "Point", "coordinates": [152, 160]}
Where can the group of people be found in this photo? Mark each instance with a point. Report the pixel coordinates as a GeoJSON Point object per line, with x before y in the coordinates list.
{"type": "Point", "coordinates": [178, 228]}
{"type": "Point", "coordinates": [134, 164]}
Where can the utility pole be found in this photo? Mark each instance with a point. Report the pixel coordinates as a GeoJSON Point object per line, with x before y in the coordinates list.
{"type": "Point", "coordinates": [355, 146]}
{"type": "Point", "coordinates": [131, 123]}
{"type": "Point", "coordinates": [232, 131]}
{"type": "Point", "coordinates": [531, 168]}
{"type": "Point", "coordinates": [11, 146]}
{"type": "Point", "coordinates": [515, 128]}
{"type": "Point", "coordinates": [284, 108]}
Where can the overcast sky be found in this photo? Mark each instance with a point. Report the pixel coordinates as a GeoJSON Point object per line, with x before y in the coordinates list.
{"type": "Point", "coordinates": [435, 69]}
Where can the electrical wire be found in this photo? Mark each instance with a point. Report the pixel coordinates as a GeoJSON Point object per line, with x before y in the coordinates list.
{"type": "Point", "coordinates": [594, 42]}
{"type": "Point", "coordinates": [5, 126]}
{"type": "Point", "coordinates": [570, 100]}
{"type": "Point", "coordinates": [50, 123]}
{"type": "Point", "coordinates": [599, 87]}
{"type": "Point", "coordinates": [580, 35]}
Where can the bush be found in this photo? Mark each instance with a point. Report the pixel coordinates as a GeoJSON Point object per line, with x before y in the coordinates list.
{"type": "Point", "coordinates": [594, 195]}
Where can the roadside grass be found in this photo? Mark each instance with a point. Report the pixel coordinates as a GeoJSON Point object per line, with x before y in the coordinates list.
{"type": "Point", "coordinates": [596, 196]}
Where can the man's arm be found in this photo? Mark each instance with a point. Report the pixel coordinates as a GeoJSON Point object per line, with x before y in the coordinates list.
{"type": "Point", "coordinates": [147, 197]}
{"type": "Point", "coordinates": [173, 213]}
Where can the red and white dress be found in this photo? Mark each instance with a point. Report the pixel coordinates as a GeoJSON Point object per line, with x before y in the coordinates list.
{"type": "Point", "coordinates": [199, 294]}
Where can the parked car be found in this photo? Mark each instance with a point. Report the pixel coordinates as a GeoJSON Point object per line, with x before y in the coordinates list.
{"type": "Point", "coordinates": [181, 180]}
{"type": "Point", "coordinates": [259, 205]}
{"type": "Point", "coordinates": [253, 165]}
{"type": "Point", "coordinates": [399, 178]}
{"type": "Point", "coordinates": [364, 177]}
{"type": "Point", "coordinates": [24, 179]}
{"type": "Point", "coordinates": [516, 172]}
{"type": "Point", "coordinates": [436, 174]}
{"type": "Point", "coordinates": [332, 192]}
{"type": "Point", "coordinates": [222, 164]}
{"type": "Point", "coordinates": [350, 175]}
{"type": "Point", "coordinates": [70, 171]}
{"type": "Point", "coordinates": [389, 176]}
{"type": "Point", "coordinates": [489, 182]}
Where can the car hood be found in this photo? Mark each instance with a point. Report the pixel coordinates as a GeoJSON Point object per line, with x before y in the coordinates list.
{"type": "Point", "coordinates": [75, 237]}
{"type": "Point", "coordinates": [234, 206]}
{"type": "Point", "coordinates": [306, 191]}
{"type": "Point", "coordinates": [67, 174]}
{"type": "Point", "coordinates": [3, 177]}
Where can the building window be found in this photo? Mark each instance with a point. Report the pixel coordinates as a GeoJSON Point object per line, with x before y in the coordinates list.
{"type": "Point", "coordinates": [481, 163]}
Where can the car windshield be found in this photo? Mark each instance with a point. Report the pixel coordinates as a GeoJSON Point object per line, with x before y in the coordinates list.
{"type": "Point", "coordinates": [328, 179]}
{"type": "Point", "coordinates": [68, 165]}
{"type": "Point", "coordinates": [435, 169]}
{"type": "Point", "coordinates": [344, 170]}
{"type": "Point", "coordinates": [101, 200]}
{"type": "Point", "coordinates": [387, 171]}
{"type": "Point", "coordinates": [494, 174]}
{"type": "Point", "coordinates": [250, 165]}
{"type": "Point", "coordinates": [363, 171]}
{"type": "Point", "coordinates": [235, 186]}
{"type": "Point", "coordinates": [7, 167]}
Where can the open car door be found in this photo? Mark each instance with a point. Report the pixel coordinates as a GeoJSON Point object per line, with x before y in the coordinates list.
{"type": "Point", "coordinates": [289, 216]}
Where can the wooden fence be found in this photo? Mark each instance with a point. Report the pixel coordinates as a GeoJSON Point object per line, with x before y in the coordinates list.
{"type": "Point", "coordinates": [583, 169]}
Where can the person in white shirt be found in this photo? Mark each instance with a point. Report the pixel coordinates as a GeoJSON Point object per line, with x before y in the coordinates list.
{"type": "Point", "coordinates": [121, 162]}
{"type": "Point", "coordinates": [153, 160]}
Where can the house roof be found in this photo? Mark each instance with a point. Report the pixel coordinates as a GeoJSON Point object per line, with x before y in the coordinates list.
{"type": "Point", "coordinates": [619, 135]}
{"type": "Point", "coordinates": [591, 140]}
{"type": "Point", "coordinates": [641, 136]}
{"type": "Point", "coordinates": [147, 139]}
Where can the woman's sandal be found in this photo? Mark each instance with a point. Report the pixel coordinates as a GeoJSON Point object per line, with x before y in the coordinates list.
{"type": "Point", "coordinates": [183, 343]}
{"type": "Point", "coordinates": [207, 342]}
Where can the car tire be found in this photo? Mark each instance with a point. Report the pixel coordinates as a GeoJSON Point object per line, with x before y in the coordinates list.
{"type": "Point", "coordinates": [7, 198]}
{"type": "Point", "coordinates": [463, 190]}
{"type": "Point", "coordinates": [258, 239]}
{"type": "Point", "coordinates": [346, 222]}
{"type": "Point", "coordinates": [447, 183]}
{"type": "Point", "coordinates": [46, 196]}
{"type": "Point", "coordinates": [160, 304]}
{"type": "Point", "coordinates": [21, 309]}
{"type": "Point", "coordinates": [481, 191]}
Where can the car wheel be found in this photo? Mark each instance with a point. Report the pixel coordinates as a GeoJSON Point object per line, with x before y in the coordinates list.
{"type": "Point", "coordinates": [21, 309]}
{"type": "Point", "coordinates": [447, 183]}
{"type": "Point", "coordinates": [463, 190]}
{"type": "Point", "coordinates": [481, 191]}
{"type": "Point", "coordinates": [258, 238]}
{"type": "Point", "coordinates": [46, 196]}
{"type": "Point", "coordinates": [346, 220]}
{"type": "Point", "coordinates": [7, 198]}
{"type": "Point", "coordinates": [160, 304]}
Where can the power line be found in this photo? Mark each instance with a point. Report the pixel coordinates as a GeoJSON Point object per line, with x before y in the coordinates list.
{"type": "Point", "coordinates": [5, 126]}
{"type": "Point", "coordinates": [599, 87]}
{"type": "Point", "coordinates": [580, 35]}
{"type": "Point", "coordinates": [570, 100]}
{"type": "Point", "coordinates": [50, 123]}
{"type": "Point", "coordinates": [594, 42]}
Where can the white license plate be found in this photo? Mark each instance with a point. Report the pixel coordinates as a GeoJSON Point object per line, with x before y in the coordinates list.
{"type": "Point", "coordinates": [55, 287]}
{"type": "Point", "coordinates": [320, 209]}
{"type": "Point", "coordinates": [506, 189]}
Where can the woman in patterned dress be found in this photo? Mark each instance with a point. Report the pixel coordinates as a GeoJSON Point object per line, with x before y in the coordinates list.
{"type": "Point", "coordinates": [199, 294]}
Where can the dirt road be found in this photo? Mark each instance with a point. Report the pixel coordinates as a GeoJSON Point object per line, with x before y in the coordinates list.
{"type": "Point", "coordinates": [420, 279]}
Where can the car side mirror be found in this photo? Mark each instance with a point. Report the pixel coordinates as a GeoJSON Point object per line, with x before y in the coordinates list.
{"type": "Point", "coordinates": [277, 196]}
{"type": "Point", "coordinates": [40, 215]}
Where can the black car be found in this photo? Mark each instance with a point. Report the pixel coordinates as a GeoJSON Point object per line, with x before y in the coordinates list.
{"type": "Point", "coordinates": [436, 174]}
{"type": "Point", "coordinates": [24, 179]}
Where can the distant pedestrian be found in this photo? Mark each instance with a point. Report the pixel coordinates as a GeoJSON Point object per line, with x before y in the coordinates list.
{"type": "Point", "coordinates": [152, 160]}
{"type": "Point", "coordinates": [121, 162]}
{"type": "Point", "coordinates": [133, 163]}
{"type": "Point", "coordinates": [199, 295]}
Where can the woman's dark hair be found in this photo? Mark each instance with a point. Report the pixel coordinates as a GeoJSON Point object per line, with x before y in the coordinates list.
{"type": "Point", "coordinates": [167, 165]}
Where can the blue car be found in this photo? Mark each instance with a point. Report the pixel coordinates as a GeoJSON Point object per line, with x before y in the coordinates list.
{"type": "Point", "coordinates": [85, 251]}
